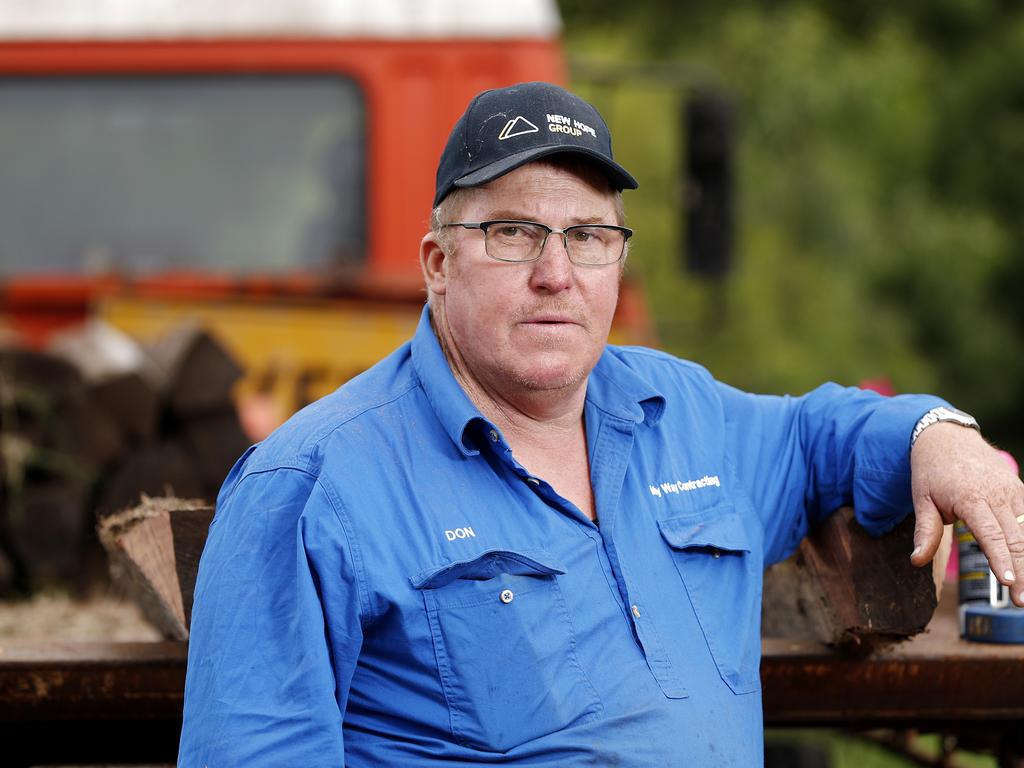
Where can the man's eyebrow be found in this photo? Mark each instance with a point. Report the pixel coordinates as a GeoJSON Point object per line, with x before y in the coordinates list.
{"type": "Point", "coordinates": [508, 214]}
{"type": "Point", "coordinates": [511, 214]}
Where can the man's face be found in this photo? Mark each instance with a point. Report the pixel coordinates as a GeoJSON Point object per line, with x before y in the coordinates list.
{"type": "Point", "coordinates": [533, 326]}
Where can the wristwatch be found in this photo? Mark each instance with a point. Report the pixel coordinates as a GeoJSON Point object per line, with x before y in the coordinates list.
{"type": "Point", "coordinates": [942, 413]}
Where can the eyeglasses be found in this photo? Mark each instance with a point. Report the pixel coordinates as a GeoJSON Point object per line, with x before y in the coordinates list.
{"type": "Point", "coordinates": [590, 245]}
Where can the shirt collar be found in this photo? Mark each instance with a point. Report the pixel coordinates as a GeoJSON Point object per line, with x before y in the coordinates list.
{"type": "Point", "coordinates": [451, 404]}
{"type": "Point", "coordinates": [617, 389]}
{"type": "Point", "coordinates": [613, 387]}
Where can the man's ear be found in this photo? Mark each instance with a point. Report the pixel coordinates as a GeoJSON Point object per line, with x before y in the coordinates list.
{"type": "Point", "coordinates": [433, 262]}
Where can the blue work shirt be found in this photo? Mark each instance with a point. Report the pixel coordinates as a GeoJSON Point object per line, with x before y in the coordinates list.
{"type": "Point", "coordinates": [385, 585]}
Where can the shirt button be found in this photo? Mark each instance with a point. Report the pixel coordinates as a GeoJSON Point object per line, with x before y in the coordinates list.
{"type": "Point", "coordinates": [715, 553]}
{"type": "Point", "coordinates": [636, 611]}
{"type": "Point", "coordinates": [533, 481]}
{"type": "Point", "coordinates": [494, 435]}
{"type": "Point", "coordinates": [506, 596]}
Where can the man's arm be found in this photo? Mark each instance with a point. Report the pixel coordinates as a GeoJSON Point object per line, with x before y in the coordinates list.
{"type": "Point", "coordinates": [956, 475]}
{"type": "Point", "coordinates": [267, 677]}
{"type": "Point", "coordinates": [801, 458]}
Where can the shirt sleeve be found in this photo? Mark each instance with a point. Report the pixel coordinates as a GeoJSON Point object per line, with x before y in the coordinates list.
{"type": "Point", "coordinates": [267, 681]}
{"type": "Point", "coordinates": [801, 458]}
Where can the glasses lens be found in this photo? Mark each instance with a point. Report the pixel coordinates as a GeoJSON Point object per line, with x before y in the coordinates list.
{"type": "Point", "coordinates": [595, 244]}
{"type": "Point", "coordinates": [514, 240]}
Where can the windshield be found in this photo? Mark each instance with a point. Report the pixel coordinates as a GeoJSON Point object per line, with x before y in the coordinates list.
{"type": "Point", "coordinates": [233, 175]}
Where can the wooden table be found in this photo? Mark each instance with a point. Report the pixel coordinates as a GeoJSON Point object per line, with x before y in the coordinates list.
{"type": "Point", "coordinates": [114, 702]}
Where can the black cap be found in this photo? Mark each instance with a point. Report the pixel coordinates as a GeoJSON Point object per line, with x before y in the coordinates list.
{"type": "Point", "coordinates": [505, 128]}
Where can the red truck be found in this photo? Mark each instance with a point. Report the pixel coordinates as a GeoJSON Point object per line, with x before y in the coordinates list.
{"type": "Point", "coordinates": [263, 168]}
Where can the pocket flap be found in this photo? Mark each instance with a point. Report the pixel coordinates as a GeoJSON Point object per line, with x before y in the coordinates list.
{"type": "Point", "coordinates": [489, 564]}
{"type": "Point", "coordinates": [718, 528]}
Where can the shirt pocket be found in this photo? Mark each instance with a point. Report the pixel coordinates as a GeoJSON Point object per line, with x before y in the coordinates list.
{"type": "Point", "coordinates": [712, 553]}
{"type": "Point", "coordinates": [505, 648]}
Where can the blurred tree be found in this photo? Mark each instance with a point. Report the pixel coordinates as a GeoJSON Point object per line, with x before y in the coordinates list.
{"type": "Point", "coordinates": [879, 197]}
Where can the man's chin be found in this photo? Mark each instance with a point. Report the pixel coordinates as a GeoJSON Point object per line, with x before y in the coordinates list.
{"type": "Point", "coordinates": [551, 376]}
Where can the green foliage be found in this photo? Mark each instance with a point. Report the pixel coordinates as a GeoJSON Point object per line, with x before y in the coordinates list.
{"type": "Point", "coordinates": [879, 191]}
{"type": "Point", "coordinates": [846, 750]}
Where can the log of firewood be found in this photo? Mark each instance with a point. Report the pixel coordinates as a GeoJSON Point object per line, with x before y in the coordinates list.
{"type": "Point", "coordinates": [132, 402]}
{"type": "Point", "coordinates": [49, 528]}
{"type": "Point", "coordinates": [99, 350]}
{"type": "Point", "coordinates": [215, 441]}
{"type": "Point", "coordinates": [37, 390]}
{"type": "Point", "coordinates": [154, 551]}
{"type": "Point", "coordinates": [90, 433]}
{"type": "Point", "coordinates": [196, 371]}
{"type": "Point", "coordinates": [157, 469]}
{"type": "Point", "coordinates": [119, 375]}
{"type": "Point", "coordinates": [47, 403]}
{"type": "Point", "coordinates": [39, 372]}
{"type": "Point", "coordinates": [52, 443]}
{"type": "Point", "coordinates": [847, 589]}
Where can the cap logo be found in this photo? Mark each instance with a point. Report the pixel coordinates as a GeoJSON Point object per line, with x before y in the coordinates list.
{"type": "Point", "coordinates": [570, 126]}
{"type": "Point", "coordinates": [517, 126]}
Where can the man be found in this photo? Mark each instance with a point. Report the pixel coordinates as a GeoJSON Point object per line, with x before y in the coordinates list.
{"type": "Point", "coordinates": [509, 543]}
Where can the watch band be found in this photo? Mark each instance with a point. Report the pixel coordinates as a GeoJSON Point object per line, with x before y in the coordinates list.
{"type": "Point", "coordinates": [942, 413]}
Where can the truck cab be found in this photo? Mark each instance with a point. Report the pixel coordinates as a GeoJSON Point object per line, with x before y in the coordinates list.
{"type": "Point", "coordinates": [265, 170]}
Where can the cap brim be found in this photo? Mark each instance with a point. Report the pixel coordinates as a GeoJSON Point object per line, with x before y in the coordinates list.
{"type": "Point", "coordinates": [617, 175]}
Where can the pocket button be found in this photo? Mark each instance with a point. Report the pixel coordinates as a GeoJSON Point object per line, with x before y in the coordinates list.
{"type": "Point", "coordinates": [506, 596]}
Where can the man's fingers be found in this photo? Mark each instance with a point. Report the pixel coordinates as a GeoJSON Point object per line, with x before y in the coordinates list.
{"type": "Point", "coordinates": [984, 524]}
{"type": "Point", "coordinates": [927, 531]}
{"type": "Point", "coordinates": [1013, 533]}
{"type": "Point", "coordinates": [1006, 502]}
{"type": "Point", "coordinates": [1015, 544]}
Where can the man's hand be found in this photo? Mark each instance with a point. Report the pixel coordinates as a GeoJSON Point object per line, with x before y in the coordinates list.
{"type": "Point", "coordinates": [956, 475]}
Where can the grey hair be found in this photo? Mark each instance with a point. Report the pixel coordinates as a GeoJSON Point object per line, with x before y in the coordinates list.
{"type": "Point", "coordinates": [445, 212]}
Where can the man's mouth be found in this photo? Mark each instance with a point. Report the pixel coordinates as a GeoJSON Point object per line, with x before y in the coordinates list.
{"type": "Point", "coordinates": [551, 320]}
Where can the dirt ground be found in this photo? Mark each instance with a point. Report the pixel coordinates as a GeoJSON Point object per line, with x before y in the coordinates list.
{"type": "Point", "coordinates": [58, 616]}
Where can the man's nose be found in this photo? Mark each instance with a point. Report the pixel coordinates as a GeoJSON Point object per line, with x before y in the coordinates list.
{"type": "Point", "coordinates": [553, 271]}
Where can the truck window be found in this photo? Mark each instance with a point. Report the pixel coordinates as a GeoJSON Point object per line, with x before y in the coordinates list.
{"type": "Point", "coordinates": [219, 174]}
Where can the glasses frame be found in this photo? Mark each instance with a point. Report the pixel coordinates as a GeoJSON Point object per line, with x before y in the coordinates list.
{"type": "Point", "coordinates": [483, 226]}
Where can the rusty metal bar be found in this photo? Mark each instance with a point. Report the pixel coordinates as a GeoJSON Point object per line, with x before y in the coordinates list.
{"type": "Point", "coordinates": [91, 681]}
{"type": "Point", "coordinates": [99, 703]}
{"type": "Point", "coordinates": [807, 685]}
{"type": "Point", "coordinates": [926, 680]}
